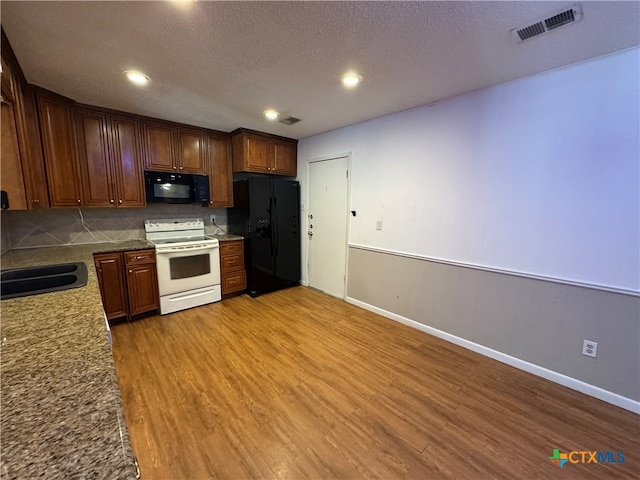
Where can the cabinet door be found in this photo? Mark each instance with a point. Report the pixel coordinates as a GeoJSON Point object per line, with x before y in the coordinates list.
{"type": "Point", "coordinates": [56, 129]}
{"type": "Point", "coordinates": [110, 270]}
{"type": "Point", "coordinates": [219, 170]}
{"type": "Point", "coordinates": [93, 155]}
{"type": "Point", "coordinates": [33, 162]}
{"type": "Point", "coordinates": [127, 162]}
{"type": "Point", "coordinates": [158, 145]}
{"type": "Point", "coordinates": [11, 164]}
{"type": "Point", "coordinates": [6, 84]}
{"type": "Point", "coordinates": [284, 158]}
{"type": "Point", "coordinates": [250, 153]}
{"type": "Point", "coordinates": [191, 148]}
{"type": "Point", "coordinates": [142, 281]}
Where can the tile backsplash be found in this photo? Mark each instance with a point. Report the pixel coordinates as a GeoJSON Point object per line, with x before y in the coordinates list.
{"type": "Point", "coordinates": [72, 226]}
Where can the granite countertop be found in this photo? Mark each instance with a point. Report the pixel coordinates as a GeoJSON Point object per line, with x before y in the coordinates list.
{"type": "Point", "coordinates": [61, 413]}
{"type": "Point", "coordinates": [227, 237]}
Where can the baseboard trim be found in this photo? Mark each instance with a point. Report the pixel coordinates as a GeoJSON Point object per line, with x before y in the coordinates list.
{"type": "Point", "coordinates": [304, 283]}
{"type": "Point", "coordinates": [570, 382]}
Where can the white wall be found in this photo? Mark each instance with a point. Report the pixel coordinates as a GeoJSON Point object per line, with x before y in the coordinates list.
{"type": "Point", "coordinates": [539, 176]}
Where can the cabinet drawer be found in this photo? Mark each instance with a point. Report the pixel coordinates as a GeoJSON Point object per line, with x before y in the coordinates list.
{"type": "Point", "coordinates": [139, 257]}
{"type": "Point", "coordinates": [234, 282]}
{"type": "Point", "coordinates": [231, 263]}
{"type": "Point", "coordinates": [234, 246]}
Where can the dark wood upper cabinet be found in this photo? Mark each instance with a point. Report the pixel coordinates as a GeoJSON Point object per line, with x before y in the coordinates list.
{"type": "Point", "coordinates": [190, 150]}
{"type": "Point", "coordinates": [219, 171]}
{"type": "Point", "coordinates": [110, 164]}
{"type": "Point", "coordinates": [251, 153]}
{"type": "Point", "coordinates": [126, 156]}
{"type": "Point", "coordinates": [22, 165]}
{"type": "Point", "coordinates": [263, 153]}
{"type": "Point", "coordinates": [173, 148]}
{"type": "Point", "coordinates": [158, 143]}
{"type": "Point", "coordinates": [57, 132]}
{"type": "Point", "coordinates": [285, 158]}
{"type": "Point", "coordinates": [11, 164]}
{"type": "Point", "coordinates": [93, 155]}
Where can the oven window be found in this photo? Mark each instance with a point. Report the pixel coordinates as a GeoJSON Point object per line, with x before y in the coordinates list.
{"type": "Point", "coordinates": [187, 267]}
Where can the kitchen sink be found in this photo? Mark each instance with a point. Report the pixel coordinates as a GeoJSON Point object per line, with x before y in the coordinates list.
{"type": "Point", "coordinates": [22, 282]}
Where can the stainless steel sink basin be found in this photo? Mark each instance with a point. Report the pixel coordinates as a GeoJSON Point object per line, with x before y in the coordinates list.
{"type": "Point", "coordinates": [21, 282]}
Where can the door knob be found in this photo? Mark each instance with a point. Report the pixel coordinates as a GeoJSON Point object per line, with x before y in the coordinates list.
{"type": "Point", "coordinates": [310, 233]}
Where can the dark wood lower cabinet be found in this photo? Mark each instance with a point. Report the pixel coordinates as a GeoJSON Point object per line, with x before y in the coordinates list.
{"type": "Point", "coordinates": [142, 281]}
{"type": "Point", "coordinates": [113, 287]}
{"type": "Point", "coordinates": [232, 271]}
{"type": "Point", "coordinates": [128, 282]}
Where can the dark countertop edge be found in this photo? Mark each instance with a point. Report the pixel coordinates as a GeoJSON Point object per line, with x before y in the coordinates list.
{"type": "Point", "coordinates": [228, 237]}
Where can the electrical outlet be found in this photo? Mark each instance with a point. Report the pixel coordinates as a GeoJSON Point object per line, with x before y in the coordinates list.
{"type": "Point", "coordinates": [213, 218]}
{"type": "Point", "coordinates": [589, 348]}
{"type": "Point", "coordinates": [379, 225]}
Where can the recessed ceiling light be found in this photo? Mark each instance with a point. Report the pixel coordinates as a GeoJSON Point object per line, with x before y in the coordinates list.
{"type": "Point", "coordinates": [138, 78]}
{"type": "Point", "coordinates": [271, 114]}
{"type": "Point", "coordinates": [351, 79]}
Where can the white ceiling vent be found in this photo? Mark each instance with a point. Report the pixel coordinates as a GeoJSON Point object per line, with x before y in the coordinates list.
{"type": "Point", "coordinates": [289, 120]}
{"type": "Point", "coordinates": [544, 25]}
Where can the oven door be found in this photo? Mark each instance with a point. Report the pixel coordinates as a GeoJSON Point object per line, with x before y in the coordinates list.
{"type": "Point", "coordinates": [185, 268]}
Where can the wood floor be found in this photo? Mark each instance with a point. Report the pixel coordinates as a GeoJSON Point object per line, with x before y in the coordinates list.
{"type": "Point", "coordinates": [297, 384]}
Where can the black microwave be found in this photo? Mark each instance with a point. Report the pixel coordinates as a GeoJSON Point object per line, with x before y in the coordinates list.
{"type": "Point", "coordinates": [176, 187]}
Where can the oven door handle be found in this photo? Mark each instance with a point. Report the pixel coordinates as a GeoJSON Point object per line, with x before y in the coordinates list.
{"type": "Point", "coordinates": [186, 250]}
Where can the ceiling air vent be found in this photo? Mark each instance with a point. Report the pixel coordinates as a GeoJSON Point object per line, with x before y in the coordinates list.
{"type": "Point", "coordinates": [545, 25]}
{"type": "Point", "coordinates": [289, 120]}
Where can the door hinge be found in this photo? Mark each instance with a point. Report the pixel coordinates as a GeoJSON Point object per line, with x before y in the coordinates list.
{"type": "Point", "coordinates": [347, 173]}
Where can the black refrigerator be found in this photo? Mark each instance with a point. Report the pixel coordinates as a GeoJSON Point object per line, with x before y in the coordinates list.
{"type": "Point", "coordinates": [266, 212]}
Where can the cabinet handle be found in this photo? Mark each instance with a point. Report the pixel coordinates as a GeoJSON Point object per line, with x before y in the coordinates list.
{"type": "Point", "coordinates": [130, 271]}
{"type": "Point", "coordinates": [120, 201]}
{"type": "Point", "coordinates": [181, 168]}
{"type": "Point", "coordinates": [78, 200]}
{"type": "Point", "coordinates": [174, 168]}
{"type": "Point", "coordinates": [35, 200]}
{"type": "Point", "coordinates": [112, 201]}
{"type": "Point", "coordinates": [140, 257]}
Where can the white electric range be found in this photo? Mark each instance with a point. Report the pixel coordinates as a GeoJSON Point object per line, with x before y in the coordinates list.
{"type": "Point", "coordinates": [188, 263]}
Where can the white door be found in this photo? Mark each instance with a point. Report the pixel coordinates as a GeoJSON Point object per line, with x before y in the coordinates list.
{"type": "Point", "coordinates": [327, 232]}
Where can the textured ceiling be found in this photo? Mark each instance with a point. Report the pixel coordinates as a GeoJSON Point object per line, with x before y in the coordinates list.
{"type": "Point", "coordinates": [220, 64]}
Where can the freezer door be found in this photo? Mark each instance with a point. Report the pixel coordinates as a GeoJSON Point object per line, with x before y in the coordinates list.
{"type": "Point", "coordinates": [260, 248]}
{"type": "Point", "coordinates": [286, 220]}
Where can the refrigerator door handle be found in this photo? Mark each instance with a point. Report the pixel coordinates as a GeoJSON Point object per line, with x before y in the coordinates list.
{"type": "Point", "coordinates": [271, 232]}
{"type": "Point", "coordinates": [275, 238]}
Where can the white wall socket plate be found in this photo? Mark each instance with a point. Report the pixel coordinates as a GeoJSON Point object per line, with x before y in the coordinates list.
{"type": "Point", "coordinates": [589, 348]}
{"type": "Point", "coordinates": [378, 224]}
